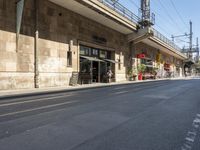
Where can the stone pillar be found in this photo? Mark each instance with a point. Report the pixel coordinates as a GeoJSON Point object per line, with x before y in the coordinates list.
{"type": "Point", "coordinates": [181, 72]}
{"type": "Point", "coordinates": [36, 70]}
{"type": "Point", "coordinates": [134, 61]}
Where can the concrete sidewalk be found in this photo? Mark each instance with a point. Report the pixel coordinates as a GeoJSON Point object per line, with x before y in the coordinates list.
{"type": "Point", "coordinates": [51, 90]}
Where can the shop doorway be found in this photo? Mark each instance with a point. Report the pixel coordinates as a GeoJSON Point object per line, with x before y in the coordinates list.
{"type": "Point", "coordinates": [94, 64]}
{"type": "Point", "coordinates": [103, 72]}
{"type": "Point", "coordinates": [95, 71]}
{"type": "Point", "coordinates": [92, 70]}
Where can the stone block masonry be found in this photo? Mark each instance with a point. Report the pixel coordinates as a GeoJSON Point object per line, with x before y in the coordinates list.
{"type": "Point", "coordinates": [57, 26]}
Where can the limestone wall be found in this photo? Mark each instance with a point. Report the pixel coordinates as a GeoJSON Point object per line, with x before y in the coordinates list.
{"type": "Point", "coordinates": [57, 27]}
{"type": "Point", "coordinates": [16, 64]}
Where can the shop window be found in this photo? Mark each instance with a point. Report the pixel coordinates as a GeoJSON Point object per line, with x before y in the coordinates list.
{"type": "Point", "coordinates": [84, 50]}
{"type": "Point", "coordinates": [108, 55]}
{"type": "Point", "coordinates": [103, 54]}
{"type": "Point", "coordinates": [85, 66]}
{"type": "Point", "coordinates": [69, 58]}
{"type": "Point", "coordinates": [95, 52]}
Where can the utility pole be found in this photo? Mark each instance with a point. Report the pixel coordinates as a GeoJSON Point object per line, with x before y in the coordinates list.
{"type": "Point", "coordinates": [189, 51]}
{"type": "Point", "coordinates": [197, 47]}
{"type": "Point", "coordinates": [147, 19]}
{"type": "Point", "coordinates": [145, 7]}
{"type": "Point", "coordinates": [190, 45]}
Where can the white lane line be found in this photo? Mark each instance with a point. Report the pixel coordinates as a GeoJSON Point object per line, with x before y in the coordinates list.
{"type": "Point", "coordinates": [121, 92]}
{"type": "Point", "coordinates": [39, 108]}
{"type": "Point", "coordinates": [35, 97]}
{"type": "Point", "coordinates": [191, 135]}
{"type": "Point", "coordinates": [34, 100]}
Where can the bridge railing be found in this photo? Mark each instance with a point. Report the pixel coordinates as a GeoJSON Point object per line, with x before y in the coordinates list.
{"type": "Point", "coordinates": [122, 10]}
{"type": "Point", "coordinates": [164, 39]}
{"type": "Point", "coordinates": [119, 8]}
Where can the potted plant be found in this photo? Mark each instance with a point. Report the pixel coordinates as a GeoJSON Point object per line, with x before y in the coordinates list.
{"type": "Point", "coordinates": [130, 73]}
{"type": "Point", "coordinates": [154, 72]}
{"type": "Point", "coordinates": [134, 73]}
{"type": "Point", "coordinates": [141, 71]}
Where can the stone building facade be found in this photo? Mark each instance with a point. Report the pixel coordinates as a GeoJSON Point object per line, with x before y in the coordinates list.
{"type": "Point", "coordinates": [47, 50]}
{"type": "Point", "coordinates": [60, 30]}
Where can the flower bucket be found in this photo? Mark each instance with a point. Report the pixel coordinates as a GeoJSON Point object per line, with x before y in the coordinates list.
{"type": "Point", "coordinates": [140, 76]}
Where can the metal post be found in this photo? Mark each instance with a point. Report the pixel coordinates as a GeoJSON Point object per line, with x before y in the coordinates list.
{"type": "Point", "coordinates": [99, 63]}
{"type": "Point", "coordinates": [145, 8]}
{"type": "Point", "coordinates": [197, 48]}
{"type": "Point", "coordinates": [190, 48]}
{"type": "Point", "coordinates": [91, 71]}
{"type": "Point", "coordinates": [172, 38]}
{"type": "Point", "coordinates": [36, 71]}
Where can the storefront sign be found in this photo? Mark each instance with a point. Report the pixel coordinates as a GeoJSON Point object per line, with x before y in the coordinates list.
{"type": "Point", "coordinates": [140, 55]}
{"type": "Point", "coordinates": [98, 39]}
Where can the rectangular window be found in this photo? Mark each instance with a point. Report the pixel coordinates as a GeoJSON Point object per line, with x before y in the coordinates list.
{"type": "Point", "coordinates": [108, 55]}
{"type": "Point", "coordinates": [84, 50]}
{"type": "Point", "coordinates": [119, 64]}
{"type": "Point", "coordinates": [103, 54]}
{"type": "Point", "coordinates": [95, 52]}
{"type": "Point", "coordinates": [69, 59]}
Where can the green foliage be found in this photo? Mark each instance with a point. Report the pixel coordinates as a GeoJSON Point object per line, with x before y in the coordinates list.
{"type": "Point", "coordinates": [154, 71]}
{"type": "Point", "coordinates": [131, 72]}
{"type": "Point", "coordinates": [141, 68]}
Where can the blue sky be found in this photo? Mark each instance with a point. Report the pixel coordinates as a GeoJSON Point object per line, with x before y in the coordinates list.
{"type": "Point", "coordinates": [168, 21]}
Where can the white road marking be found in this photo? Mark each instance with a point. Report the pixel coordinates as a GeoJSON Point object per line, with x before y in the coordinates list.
{"type": "Point", "coordinates": [191, 135]}
{"type": "Point", "coordinates": [39, 108]}
{"type": "Point", "coordinates": [121, 92]}
{"type": "Point", "coordinates": [34, 100]}
{"type": "Point", "coordinates": [197, 120]}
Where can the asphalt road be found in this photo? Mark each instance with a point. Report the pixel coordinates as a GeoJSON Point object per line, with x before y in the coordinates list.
{"type": "Point", "coordinates": [162, 115]}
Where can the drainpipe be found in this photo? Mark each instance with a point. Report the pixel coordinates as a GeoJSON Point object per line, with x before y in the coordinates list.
{"type": "Point", "coordinates": [36, 71]}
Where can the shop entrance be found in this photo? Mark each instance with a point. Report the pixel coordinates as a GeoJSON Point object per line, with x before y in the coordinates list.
{"type": "Point", "coordinates": [99, 71]}
{"type": "Point", "coordinates": [95, 71]}
{"type": "Point", "coordinates": [94, 64]}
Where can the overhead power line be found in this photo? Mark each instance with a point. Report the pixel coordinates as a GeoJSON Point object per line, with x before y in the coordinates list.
{"type": "Point", "coordinates": [157, 14]}
{"type": "Point", "coordinates": [170, 17]}
{"type": "Point", "coordinates": [181, 18]}
{"type": "Point", "coordinates": [183, 41]}
{"type": "Point", "coordinates": [171, 21]}
{"type": "Point", "coordinates": [134, 3]}
{"type": "Point", "coordinates": [163, 29]}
